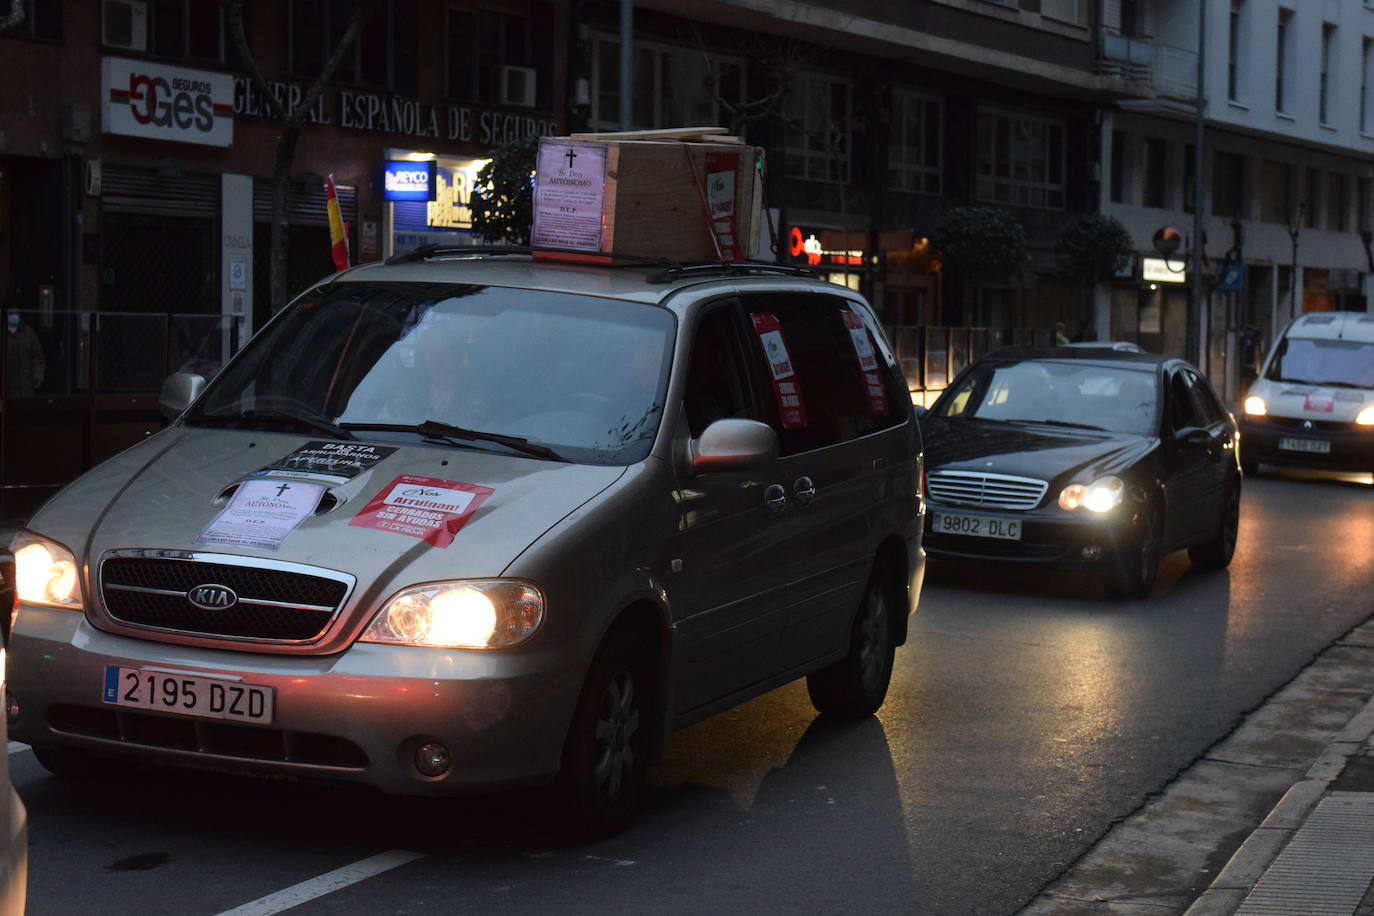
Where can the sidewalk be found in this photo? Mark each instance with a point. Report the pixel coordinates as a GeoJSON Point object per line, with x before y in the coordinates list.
{"type": "Point", "coordinates": [1314, 853]}
{"type": "Point", "coordinates": [1277, 818]}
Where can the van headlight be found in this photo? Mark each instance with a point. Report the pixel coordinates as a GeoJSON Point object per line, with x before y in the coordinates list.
{"type": "Point", "coordinates": [1101, 495]}
{"type": "Point", "coordinates": [45, 572]}
{"type": "Point", "coordinates": [1365, 417]}
{"type": "Point", "coordinates": [474, 614]}
{"type": "Point", "coordinates": [1255, 406]}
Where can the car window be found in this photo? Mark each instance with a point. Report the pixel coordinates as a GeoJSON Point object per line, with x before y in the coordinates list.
{"type": "Point", "coordinates": [1346, 363]}
{"type": "Point", "coordinates": [830, 376]}
{"type": "Point", "coordinates": [1183, 411]}
{"type": "Point", "coordinates": [583, 375]}
{"type": "Point", "coordinates": [1070, 393]}
{"type": "Point", "coordinates": [717, 385]}
{"type": "Point", "coordinates": [1205, 402]}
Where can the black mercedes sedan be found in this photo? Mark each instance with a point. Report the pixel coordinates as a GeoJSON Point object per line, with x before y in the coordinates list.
{"type": "Point", "coordinates": [1100, 460]}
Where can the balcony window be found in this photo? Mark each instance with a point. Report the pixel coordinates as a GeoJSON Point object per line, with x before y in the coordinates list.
{"type": "Point", "coordinates": [913, 153]}
{"type": "Point", "coordinates": [1228, 185]}
{"type": "Point", "coordinates": [383, 56]}
{"type": "Point", "coordinates": [817, 111]}
{"type": "Point", "coordinates": [1156, 162]}
{"type": "Point", "coordinates": [1336, 201]}
{"type": "Point", "coordinates": [1283, 62]}
{"type": "Point", "coordinates": [1276, 192]}
{"type": "Point", "coordinates": [1324, 100]}
{"type": "Point", "coordinates": [1020, 159]}
{"type": "Point", "coordinates": [672, 86]}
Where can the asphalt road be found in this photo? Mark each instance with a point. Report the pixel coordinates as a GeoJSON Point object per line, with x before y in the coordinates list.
{"type": "Point", "coordinates": [1027, 714]}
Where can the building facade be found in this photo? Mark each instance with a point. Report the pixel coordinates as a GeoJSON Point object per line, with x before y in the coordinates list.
{"type": "Point", "coordinates": [1288, 133]}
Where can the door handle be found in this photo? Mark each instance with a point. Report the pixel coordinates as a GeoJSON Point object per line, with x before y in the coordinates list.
{"type": "Point", "coordinates": [803, 490]}
{"type": "Point", "coordinates": [775, 499]}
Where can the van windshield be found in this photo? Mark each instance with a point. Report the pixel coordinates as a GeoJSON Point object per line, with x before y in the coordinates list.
{"type": "Point", "coordinates": [1343, 363]}
{"type": "Point", "coordinates": [583, 376]}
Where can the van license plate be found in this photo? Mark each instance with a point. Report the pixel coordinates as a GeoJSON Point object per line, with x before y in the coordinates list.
{"type": "Point", "coordinates": [186, 695]}
{"type": "Point", "coordinates": [1306, 445]}
{"type": "Point", "coordinates": [977, 526]}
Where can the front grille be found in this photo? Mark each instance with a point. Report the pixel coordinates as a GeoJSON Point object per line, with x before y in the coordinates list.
{"type": "Point", "coordinates": [1297, 423]}
{"type": "Point", "coordinates": [247, 742]}
{"type": "Point", "coordinates": [276, 603]}
{"type": "Point", "coordinates": [997, 491]}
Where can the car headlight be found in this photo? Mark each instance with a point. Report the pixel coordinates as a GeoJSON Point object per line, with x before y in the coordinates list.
{"type": "Point", "coordinates": [1365, 417]}
{"type": "Point", "coordinates": [45, 572]}
{"type": "Point", "coordinates": [475, 614]}
{"type": "Point", "coordinates": [1255, 406]}
{"type": "Point", "coordinates": [1101, 495]}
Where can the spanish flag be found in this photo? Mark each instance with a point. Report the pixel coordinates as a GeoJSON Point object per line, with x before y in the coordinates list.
{"type": "Point", "coordinates": [338, 239]}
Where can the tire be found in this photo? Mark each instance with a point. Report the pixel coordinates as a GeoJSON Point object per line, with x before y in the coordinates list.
{"type": "Point", "coordinates": [855, 686]}
{"type": "Point", "coordinates": [1133, 568]}
{"type": "Point", "coordinates": [606, 753]}
{"type": "Point", "coordinates": [1217, 553]}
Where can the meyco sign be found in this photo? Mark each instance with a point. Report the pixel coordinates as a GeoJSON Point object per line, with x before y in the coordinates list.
{"type": "Point", "coordinates": [142, 99]}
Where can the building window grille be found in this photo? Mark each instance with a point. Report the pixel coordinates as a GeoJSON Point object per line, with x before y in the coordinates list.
{"type": "Point", "coordinates": [1020, 159]}
{"type": "Point", "coordinates": [913, 154]}
{"type": "Point", "coordinates": [817, 111]}
{"type": "Point", "coordinates": [383, 57]}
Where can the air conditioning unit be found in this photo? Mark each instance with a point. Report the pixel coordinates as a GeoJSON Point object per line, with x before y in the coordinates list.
{"type": "Point", "coordinates": [124, 24]}
{"type": "Point", "coordinates": [517, 86]}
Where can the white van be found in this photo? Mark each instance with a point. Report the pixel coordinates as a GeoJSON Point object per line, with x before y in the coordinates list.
{"type": "Point", "coordinates": [1313, 403]}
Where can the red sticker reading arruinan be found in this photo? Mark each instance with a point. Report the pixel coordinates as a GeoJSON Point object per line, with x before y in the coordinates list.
{"type": "Point", "coordinates": [868, 363]}
{"type": "Point", "coordinates": [427, 508]}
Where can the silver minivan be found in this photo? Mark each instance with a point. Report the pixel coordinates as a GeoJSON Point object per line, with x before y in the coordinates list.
{"type": "Point", "coordinates": [463, 521]}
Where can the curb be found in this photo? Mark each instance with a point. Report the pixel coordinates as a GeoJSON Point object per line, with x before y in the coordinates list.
{"type": "Point", "coordinates": [1235, 881]}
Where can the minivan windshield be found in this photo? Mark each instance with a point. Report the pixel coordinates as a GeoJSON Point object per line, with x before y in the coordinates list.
{"type": "Point", "coordinates": [1067, 394]}
{"type": "Point", "coordinates": [1343, 363]}
{"type": "Point", "coordinates": [578, 378]}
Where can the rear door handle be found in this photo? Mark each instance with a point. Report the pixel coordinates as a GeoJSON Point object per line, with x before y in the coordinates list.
{"type": "Point", "coordinates": [775, 499]}
{"type": "Point", "coordinates": [803, 490]}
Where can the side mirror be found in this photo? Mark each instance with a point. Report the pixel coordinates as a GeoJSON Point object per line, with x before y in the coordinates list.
{"type": "Point", "coordinates": [733, 445]}
{"type": "Point", "coordinates": [178, 391]}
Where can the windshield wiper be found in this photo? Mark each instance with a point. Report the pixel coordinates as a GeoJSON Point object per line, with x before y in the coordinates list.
{"type": "Point", "coordinates": [1065, 423]}
{"type": "Point", "coordinates": [433, 429]}
{"type": "Point", "coordinates": [274, 418]}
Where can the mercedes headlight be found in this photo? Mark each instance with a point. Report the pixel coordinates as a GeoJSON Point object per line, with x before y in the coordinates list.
{"type": "Point", "coordinates": [1255, 406]}
{"type": "Point", "coordinates": [44, 572]}
{"type": "Point", "coordinates": [475, 614]}
{"type": "Point", "coordinates": [1101, 495]}
{"type": "Point", "coordinates": [1365, 417]}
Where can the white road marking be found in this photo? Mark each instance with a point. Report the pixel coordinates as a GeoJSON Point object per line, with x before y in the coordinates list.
{"type": "Point", "coordinates": [327, 883]}
{"type": "Point", "coordinates": [17, 747]}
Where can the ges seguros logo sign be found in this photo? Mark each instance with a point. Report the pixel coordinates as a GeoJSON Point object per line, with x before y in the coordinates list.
{"type": "Point", "coordinates": [143, 99]}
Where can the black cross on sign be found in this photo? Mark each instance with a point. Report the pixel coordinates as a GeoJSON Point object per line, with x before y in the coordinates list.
{"type": "Point", "coordinates": [282, 489]}
{"type": "Point", "coordinates": [571, 156]}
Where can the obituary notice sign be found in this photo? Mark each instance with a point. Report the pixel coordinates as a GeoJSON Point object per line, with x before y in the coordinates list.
{"type": "Point", "coordinates": [569, 192]}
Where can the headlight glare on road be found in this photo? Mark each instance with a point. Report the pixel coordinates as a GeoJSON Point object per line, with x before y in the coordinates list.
{"type": "Point", "coordinates": [1101, 495]}
{"type": "Point", "coordinates": [477, 614]}
{"type": "Point", "coordinates": [44, 572]}
{"type": "Point", "coordinates": [1255, 406]}
{"type": "Point", "coordinates": [1365, 417]}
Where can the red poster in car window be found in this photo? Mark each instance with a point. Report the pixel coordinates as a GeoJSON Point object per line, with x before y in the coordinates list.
{"type": "Point", "coordinates": [791, 409]}
{"type": "Point", "coordinates": [874, 394]}
{"type": "Point", "coordinates": [428, 508]}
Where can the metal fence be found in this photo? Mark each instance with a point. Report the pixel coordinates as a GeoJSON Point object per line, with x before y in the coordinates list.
{"type": "Point", "coordinates": [931, 356]}
{"type": "Point", "coordinates": [66, 354]}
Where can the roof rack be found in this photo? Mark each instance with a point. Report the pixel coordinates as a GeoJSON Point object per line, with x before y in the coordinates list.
{"type": "Point", "coordinates": [688, 272]}
{"type": "Point", "coordinates": [425, 252]}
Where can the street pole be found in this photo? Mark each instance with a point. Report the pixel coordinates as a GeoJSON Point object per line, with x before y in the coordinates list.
{"type": "Point", "coordinates": [1195, 314]}
{"type": "Point", "coordinates": [627, 63]}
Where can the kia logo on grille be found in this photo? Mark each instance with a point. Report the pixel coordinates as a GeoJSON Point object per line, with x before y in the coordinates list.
{"type": "Point", "coordinates": [212, 597]}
